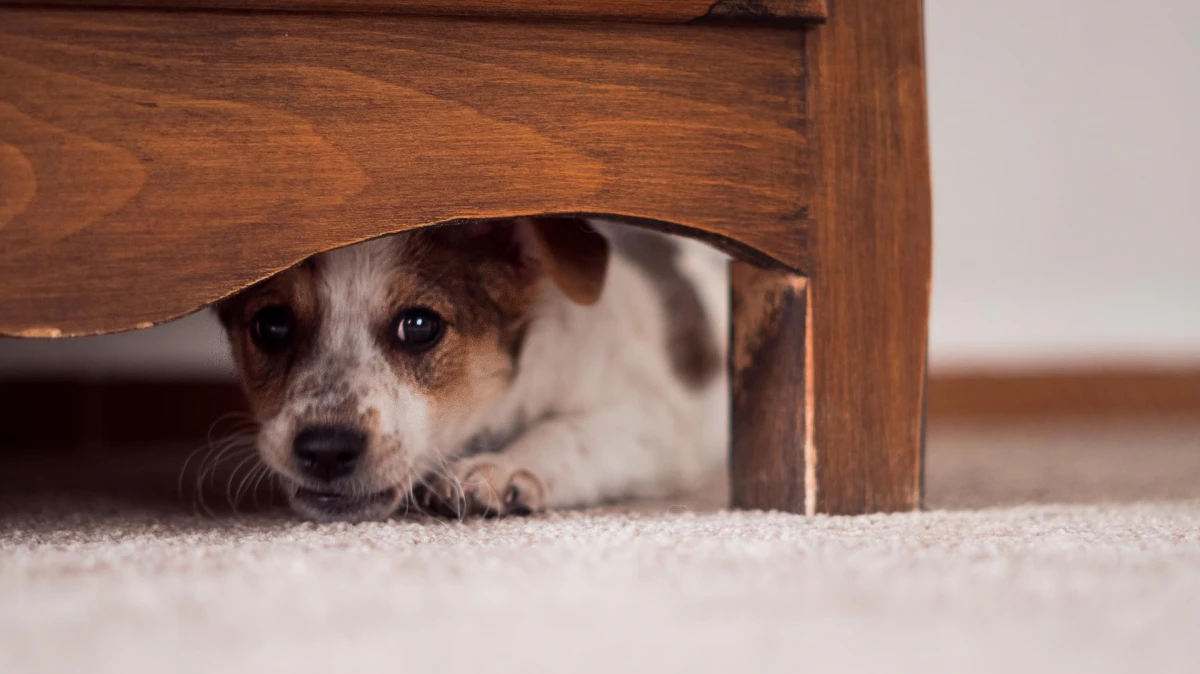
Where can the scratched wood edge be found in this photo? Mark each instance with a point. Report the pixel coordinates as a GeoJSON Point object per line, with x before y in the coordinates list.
{"type": "Point", "coordinates": [812, 487]}
{"type": "Point", "coordinates": [767, 11]}
{"type": "Point", "coordinates": [771, 456]}
{"type": "Point", "coordinates": [732, 247]}
{"type": "Point", "coordinates": [870, 250]}
{"type": "Point", "coordinates": [731, 11]}
{"type": "Point", "coordinates": [63, 412]}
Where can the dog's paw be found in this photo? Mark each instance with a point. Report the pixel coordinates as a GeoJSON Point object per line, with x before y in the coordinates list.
{"type": "Point", "coordinates": [487, 485]}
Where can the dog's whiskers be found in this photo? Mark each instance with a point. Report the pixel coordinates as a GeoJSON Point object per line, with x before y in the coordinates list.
{"type": "Point", "coordinates": [458, 494]}
{"type": "Point", "coordinates": [229, 495]}
{"type": "Point", "coordinates": [263, 473]}
{"type": "Point", "coordinates": [212, 454]}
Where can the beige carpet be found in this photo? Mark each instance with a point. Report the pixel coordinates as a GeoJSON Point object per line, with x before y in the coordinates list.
{"type": "Point", "coordinates": [1099, 572]}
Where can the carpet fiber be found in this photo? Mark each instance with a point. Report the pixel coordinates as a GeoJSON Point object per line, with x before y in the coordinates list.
{"type": "Point", "coordinates": [1098, 571]}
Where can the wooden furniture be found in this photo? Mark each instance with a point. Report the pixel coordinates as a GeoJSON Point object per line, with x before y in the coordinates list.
{"type": "Point", "coordinates": [157, 155]}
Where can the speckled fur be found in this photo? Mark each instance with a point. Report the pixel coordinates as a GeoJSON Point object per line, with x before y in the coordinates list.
{"type": "Point", "coordinates": [529, 395]}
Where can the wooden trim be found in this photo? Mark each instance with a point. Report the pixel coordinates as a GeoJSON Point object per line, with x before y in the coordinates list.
{"type": "Point", "coordinates": [740, 11]}
{"type": "Point", "coordinates": [1096, 394]}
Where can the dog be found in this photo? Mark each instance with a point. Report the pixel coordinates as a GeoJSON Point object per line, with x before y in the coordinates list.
{"type": "Point", "coordinates": [494, 368]}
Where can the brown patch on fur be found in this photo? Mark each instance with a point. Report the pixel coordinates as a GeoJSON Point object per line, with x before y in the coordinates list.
{"type": "Point", "coordinates": [476, 278]}
{"type": "Point", "coordinates": [514, 343]}
{"type": "Point", "coordinates": [265, 376]}
{"type": "Point", "coordinates": [690, 345]}
{"type": "Point", "coordinates": [483, 279]}
{"type": "Point", "coordinates": [574, 255]}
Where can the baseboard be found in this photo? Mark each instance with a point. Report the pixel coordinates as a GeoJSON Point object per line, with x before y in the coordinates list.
{"type": "Point", "coordinates": [1101, 393]}
{"type": "Point", "coordinates": [39, 413]}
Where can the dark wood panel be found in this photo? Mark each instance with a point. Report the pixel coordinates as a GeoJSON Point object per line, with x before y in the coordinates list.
{"type": "Point", "coordinates": [771, 460]}
{"type": "Point", "coordinates": [870, 244]}
{"type": "Point", "coordinates": [91, 414]}
{"type": "Point", "coordinates": [153, 162]}
{"type": "Point", "coordinates": [638, 10]}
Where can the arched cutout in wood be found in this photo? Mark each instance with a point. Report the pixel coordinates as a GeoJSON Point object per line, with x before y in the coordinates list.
{"type": "Point", "coordinates": [129, 310]}
{"type": "Point", "coordinates": [156, 161]}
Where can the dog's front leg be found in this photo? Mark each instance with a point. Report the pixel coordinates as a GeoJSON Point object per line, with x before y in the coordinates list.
{"type": "Point", "coordinates": [575, 461]}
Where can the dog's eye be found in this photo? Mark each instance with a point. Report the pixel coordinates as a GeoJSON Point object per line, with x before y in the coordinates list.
{"type": "Point", "coordinates": [272, 328]}
{"type": "Point", "coordinates": [418, 329]}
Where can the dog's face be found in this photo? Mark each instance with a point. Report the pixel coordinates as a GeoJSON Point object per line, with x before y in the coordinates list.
{"type": "Point", "coordinates": [369, 366]}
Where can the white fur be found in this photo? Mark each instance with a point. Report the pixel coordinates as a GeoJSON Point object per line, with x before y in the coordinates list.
{"type": "Point", "coordinates": [602, 414]}
{"type": "Point", "coordinates": [348, 362]}
{"type": "Point", "coordinates": [617, 421]}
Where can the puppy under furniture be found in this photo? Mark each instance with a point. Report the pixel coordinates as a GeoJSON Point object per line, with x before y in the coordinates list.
{"type": "Point", "coordinates": [156, 156]}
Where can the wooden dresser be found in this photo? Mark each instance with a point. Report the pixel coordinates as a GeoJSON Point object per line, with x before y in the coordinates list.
{"type": "Point", "coordinates": [157, 155]}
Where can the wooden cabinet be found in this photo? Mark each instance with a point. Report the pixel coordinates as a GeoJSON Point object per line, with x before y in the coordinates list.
{"type": "Point", "coordinates": [156, 156]}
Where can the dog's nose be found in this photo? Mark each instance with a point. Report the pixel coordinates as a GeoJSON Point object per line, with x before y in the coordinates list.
{"type": "Point", "coordinates": [327, 453]}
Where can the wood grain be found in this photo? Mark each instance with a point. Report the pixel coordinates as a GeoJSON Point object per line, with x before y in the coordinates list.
{"type": "Point", "coordinates": [629, 10]}
{"type": "Point", "coordinates": [771, 461]}
{"type": "Point", "coordinates": [154, 162]}
{"type": "Point", "coordinates": [870, 254]}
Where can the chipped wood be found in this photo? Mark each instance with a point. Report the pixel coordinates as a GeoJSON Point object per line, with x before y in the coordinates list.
{"type": "Point", "coordinates": [769, 374]}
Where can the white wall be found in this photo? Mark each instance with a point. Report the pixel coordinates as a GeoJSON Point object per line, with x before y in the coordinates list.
{"type": "Point", "coordinates": [1066, 164]}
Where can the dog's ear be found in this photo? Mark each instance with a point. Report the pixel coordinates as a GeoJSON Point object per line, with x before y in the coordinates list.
{"type": "Point", "coordinates": [227, 308]}
{"type": "Point", "coordinates": [567, 250]}
{"type": "Point", "coordinates": [573, 255]}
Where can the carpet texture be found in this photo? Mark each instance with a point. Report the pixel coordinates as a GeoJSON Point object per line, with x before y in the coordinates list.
{"type": "Point", "coordinates": [1099, 574]}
